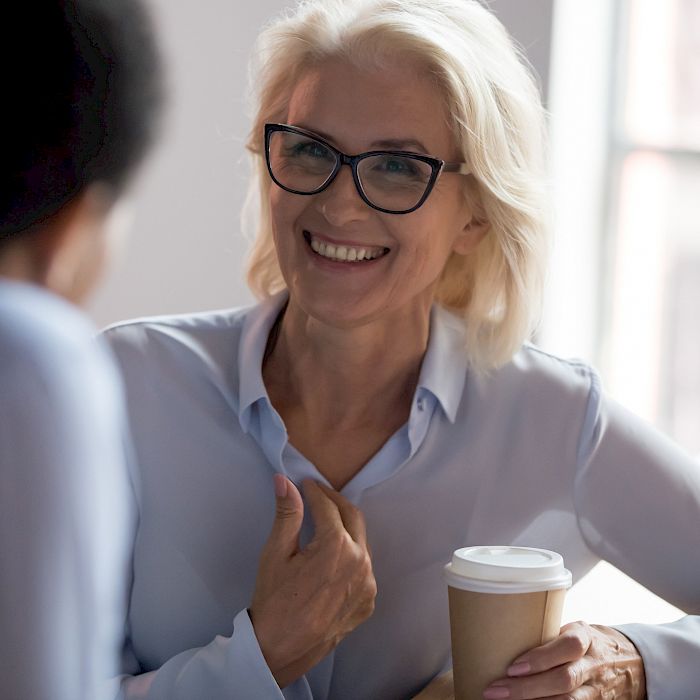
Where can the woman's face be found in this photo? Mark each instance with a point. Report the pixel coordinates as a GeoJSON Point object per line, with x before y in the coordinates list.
{"type": "Point", "coordinates": [397, 108]}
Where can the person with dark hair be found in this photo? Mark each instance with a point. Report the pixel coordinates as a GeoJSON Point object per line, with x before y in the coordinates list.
{"type": "Point", "coordinates": [81, 99]}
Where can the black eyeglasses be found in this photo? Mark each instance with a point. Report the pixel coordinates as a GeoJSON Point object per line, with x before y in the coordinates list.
{"type": "Point", "coordinates": [395, 182]}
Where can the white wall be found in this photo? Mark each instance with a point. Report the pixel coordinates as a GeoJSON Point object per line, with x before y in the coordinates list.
{"type": "Point", "coordinates": [186, 251]}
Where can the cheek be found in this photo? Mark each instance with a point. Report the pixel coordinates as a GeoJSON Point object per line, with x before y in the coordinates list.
{"type": "Point", "coordinates": [277, 211]}
{"type": "Point", "coordinates": [285, 209]}
{"type": "Point", "coordinates": [427, 244]}
{"type": "Point", "coordinates": [279, 218]}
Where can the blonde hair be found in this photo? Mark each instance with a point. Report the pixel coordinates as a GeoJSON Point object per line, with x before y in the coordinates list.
{"type": "Point", "coordinates": [497, 119]}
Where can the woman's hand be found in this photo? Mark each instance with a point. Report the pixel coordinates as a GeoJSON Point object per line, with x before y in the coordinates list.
{"type": "Point", "coordinates": [583, 663]}
{"type": "Point", "coordinates": [307, 600]}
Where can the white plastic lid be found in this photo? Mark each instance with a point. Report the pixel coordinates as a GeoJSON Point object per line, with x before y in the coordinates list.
{"type": "Point", "coordinates": [500, 569]}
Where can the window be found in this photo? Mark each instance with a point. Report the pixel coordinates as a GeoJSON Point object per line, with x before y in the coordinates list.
{"type": "Point", "coordinates": [651, 335]}
{"type": "Point", "coordinates": [624, 289]}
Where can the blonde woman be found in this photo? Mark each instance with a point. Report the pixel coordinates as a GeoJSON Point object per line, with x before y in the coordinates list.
{"type": "Point", "coordinates": [401, 237]}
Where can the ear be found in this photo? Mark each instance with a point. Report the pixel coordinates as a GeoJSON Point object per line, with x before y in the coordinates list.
{"type": "Point", "coordinates": [470, 236]}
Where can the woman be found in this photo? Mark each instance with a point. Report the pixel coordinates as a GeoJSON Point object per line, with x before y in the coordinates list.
{"type": "Point", "coordinates": [399, 255]}
{"type": "Point", "coordinates": [77, 121]}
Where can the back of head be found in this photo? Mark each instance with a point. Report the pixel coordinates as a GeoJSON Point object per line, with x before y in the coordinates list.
{"type": "Point", "coordinates": [494, 112]}
{"type": "Point", "coordinates": [81, 98]}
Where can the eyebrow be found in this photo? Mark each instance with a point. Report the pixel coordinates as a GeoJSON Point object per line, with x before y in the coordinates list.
{"type": "Point", "coordinates": [389, 144]}
{"type": "Point", "coordinates": [400, 144]}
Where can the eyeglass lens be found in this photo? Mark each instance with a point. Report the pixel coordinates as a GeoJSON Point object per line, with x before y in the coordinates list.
{"type": "Point", "coordinates": [389, 181]}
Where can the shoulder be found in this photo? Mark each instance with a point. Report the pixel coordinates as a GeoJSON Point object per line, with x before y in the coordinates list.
{"type": "Point", "coordinates": [537, 383]}
{"type": "Point", "coordinates": [179, 328]}
{"type": "Point", "coordinates": [206, 335]}
{"type": "Point", "coordinates": [530, 370]}
{"type": "Point", "coordinates": [45, 339]}
{"type": "Point", "coordinates": [535, 365]}
{"type": "Point", "coordinates": [61, 396]}
{"type": "Point", "coordinates": [198, 352]}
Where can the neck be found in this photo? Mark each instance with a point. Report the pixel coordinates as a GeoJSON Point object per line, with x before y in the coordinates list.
{"type": "Point", "coordinates": [346, 377]}
{"type": "Point", "coordinates": [17, 263]}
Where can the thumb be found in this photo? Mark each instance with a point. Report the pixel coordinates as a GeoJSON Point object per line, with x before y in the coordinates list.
{"type": "Point", "coordinates": [289, 514]}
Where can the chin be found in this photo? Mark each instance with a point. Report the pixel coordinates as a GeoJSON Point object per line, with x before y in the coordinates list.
{"type": "Point", "coordinates": [337, 313]}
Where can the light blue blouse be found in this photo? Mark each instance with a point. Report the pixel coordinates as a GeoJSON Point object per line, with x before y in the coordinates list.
{"type": "Point", "coordinates": [531, 455]}
{"type": "Point", "coordinates": [64, 502]}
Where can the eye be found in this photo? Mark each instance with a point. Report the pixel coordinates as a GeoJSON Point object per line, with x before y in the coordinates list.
{"type": "Point", "coordinates": [399, 166]}
{"type": "Point", "coordinates": [396, 167]}
{"type": "Point", "coordinates": [310, 149]}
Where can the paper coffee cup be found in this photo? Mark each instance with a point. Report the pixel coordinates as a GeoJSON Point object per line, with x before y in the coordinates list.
{"type": "Point", "coordinates": [504, 601]}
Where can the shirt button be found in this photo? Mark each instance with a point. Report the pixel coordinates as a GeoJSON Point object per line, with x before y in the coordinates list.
{"type": "Point", "coordinates": [421, 404]}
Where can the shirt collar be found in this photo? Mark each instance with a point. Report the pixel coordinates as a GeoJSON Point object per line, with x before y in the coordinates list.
{"type": "Point", "coordinates": [443, 371]}
{"type": "Point", "coordinates": [256, 330]}
{"type": "Point", "coordinates": [444, 367]}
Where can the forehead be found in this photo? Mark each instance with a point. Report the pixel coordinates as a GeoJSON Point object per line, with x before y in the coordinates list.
{"type": "Point", "coordinates": [357, 107]}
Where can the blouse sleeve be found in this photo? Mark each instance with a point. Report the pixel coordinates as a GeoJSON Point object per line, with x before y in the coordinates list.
{"type": "Point", "coordinates": [227, 668]}
{"type": "Point", "coordinates": [637, 498]}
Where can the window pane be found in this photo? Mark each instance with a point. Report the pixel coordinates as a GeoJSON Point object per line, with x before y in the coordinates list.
{"type": "Point", "coordinates": [679, 396]}
{"type": "Point", "coordinates": [662, 99]}
{"type": "Point", "coordinates": [653, 338]}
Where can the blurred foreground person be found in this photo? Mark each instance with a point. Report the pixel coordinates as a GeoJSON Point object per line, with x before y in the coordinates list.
{"type": "Point", "coordinates": [80, 100]}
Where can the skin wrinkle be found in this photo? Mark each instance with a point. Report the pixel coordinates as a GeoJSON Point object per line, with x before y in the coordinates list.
{"type": "Point", "coordinates": [618, 679]}
{"type": "Point", "coordinates": [602, 663]}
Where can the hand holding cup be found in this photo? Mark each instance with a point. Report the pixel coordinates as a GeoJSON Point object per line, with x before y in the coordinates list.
{"type": "Point", "coordinates": [504, 601]}
{"type": "Point", "coordinates": [584, 662]}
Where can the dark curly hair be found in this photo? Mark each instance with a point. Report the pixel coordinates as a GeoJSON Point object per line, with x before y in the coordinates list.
{"type": "Point", "coordinates": [82, 92]}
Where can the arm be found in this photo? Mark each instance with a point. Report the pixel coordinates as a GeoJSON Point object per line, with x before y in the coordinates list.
{"type": "Point", "coordinates": [305, 602]}
{"type": "Point", "coordinates": [638, 502]}
{"type": "Point", "coordinates": [670, 653]}
{"type": "Point", "coordinates": [637, 499]}
{"type": "Point", "coordinates": [63, 526]}
{"type": "Point", "coordinates": [228, 667]}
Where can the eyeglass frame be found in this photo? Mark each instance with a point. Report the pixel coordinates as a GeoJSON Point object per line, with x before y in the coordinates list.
{"type": "Point", "coordinates": [437, 165]}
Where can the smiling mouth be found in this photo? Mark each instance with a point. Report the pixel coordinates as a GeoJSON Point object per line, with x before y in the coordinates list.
{"type": "Point", "coordinates": [344, 253]}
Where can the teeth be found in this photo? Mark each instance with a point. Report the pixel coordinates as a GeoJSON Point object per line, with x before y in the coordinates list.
{"type": "Point", "coordinates": [344, 253]}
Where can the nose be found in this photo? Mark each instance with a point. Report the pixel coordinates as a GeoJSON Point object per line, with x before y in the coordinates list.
{"type": "Point", "coordinates": [340, 203]}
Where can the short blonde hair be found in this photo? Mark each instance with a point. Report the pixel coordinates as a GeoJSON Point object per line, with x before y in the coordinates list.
{"type": "Point", "coordinates": [497, 119]}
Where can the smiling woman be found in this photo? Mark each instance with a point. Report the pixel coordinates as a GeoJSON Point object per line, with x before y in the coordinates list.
{"type": "Point", "coordinates": [386, 371]}
{"type": "Point", "coordinates": [407, 253]}
{"type": "Point", "coordinates": [421, 87]}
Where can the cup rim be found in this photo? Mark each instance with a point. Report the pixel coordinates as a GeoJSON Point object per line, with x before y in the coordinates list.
{"type": "Point", "coordinates": [485, 569]}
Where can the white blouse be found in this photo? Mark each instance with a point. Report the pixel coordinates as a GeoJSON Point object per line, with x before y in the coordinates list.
{"type": "Point", "coordinates": [532, 455]}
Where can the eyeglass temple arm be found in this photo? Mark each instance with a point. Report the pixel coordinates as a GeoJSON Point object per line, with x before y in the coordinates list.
{"type": "Point", "coordinates": [461, 168]}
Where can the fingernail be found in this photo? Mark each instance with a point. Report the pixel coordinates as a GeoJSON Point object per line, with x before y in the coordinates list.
{"type": "Point", "coordinates": [280, 485]}
{"type": "Point", "coordinates": [519, 669]}
{"type": "Point", "coordinates": [496, 693]}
